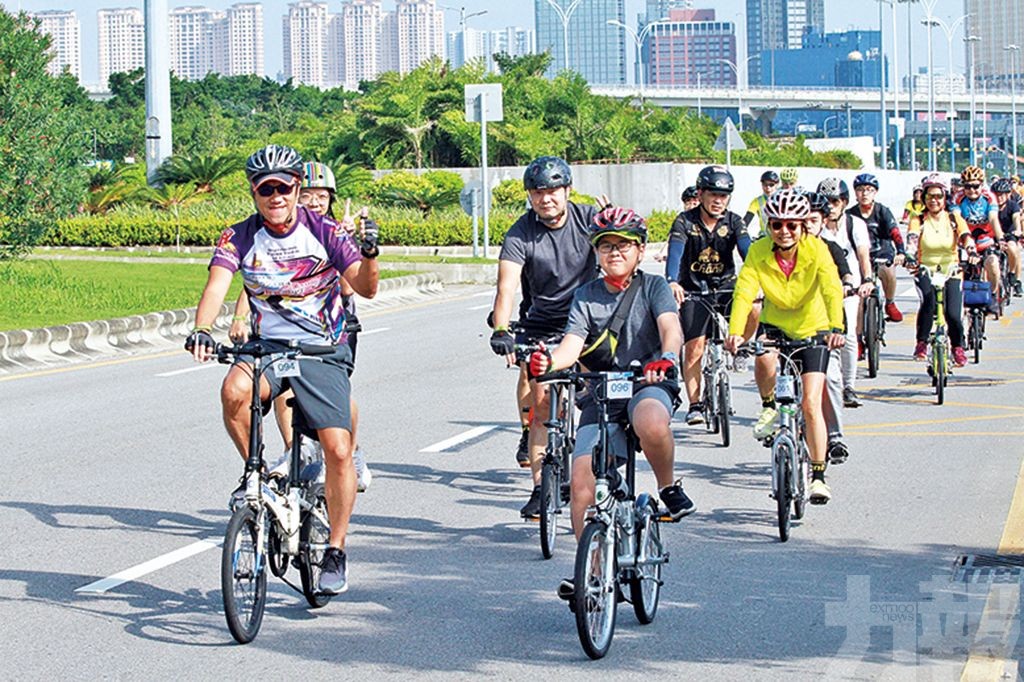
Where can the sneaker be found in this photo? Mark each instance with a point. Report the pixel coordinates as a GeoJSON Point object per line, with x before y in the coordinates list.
{"type": "Point", "coordinates": [531, 510]}
{"type": "Point", "coordinates": [766, 423]}
{"type": "Point", "coordinates": [566, 589]}
{"type": "Point", "coordinates": [837, 452]}
{"type": "Point", "coordinates": [819, 491]}
{"type": "Point", "coordinates": [695, 415]}
{"type": "Point", "coordinates": [959, 357]}
{"type": "Point", "coordinates": [523, 449]}
{"type": "Point", "coordinates": [1018, 289]}
{"type": "Point", "coordinates": [279, 469]}
{"type": "Point", "coordinates": [678, 504]}
{"type": "Point", "coordinates": [892, 313]}
{"type": "Point", "coordinates": [363, 474]}
{"type": "Point", "coordinates": [921, 350]}
{"type": "Point", "coordinates": [850, 398]}
{"type": "Point", "coordinates": [333, 572]}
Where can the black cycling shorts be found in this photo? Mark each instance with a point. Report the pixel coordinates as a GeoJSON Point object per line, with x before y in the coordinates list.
{"type": "Point", "coordinates": [696, 318]}
{"type": "Point", "coordinates": [811, 359]}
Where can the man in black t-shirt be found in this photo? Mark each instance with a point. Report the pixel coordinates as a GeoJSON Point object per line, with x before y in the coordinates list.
{"type": "Point", "coordinates": [548, 248]}
{"type": "Point", "coordinates": [886, 240]}
{"type": "Point", "coordinates": [1010, 221]}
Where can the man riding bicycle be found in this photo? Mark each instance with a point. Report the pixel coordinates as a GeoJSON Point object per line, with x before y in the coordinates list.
{"type": "Point", "coordinates": [803, 298]}
{"type": "Point", "coordinates": [292, 262]}
{"type": "Point", "coordinates": [548, 248]}
{"type": "Point", "coordinates": [980, 211]}
{"type": "Point", "coordinates": [886, 240]}
{"type": "Point", "coordinates": [700, 252]}
{"type": "Point", "coordinates": [1010, 222]}
{"type": "Point", "coordinates": [769, 182]}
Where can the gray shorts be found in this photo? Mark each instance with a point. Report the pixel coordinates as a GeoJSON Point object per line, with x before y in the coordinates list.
{"type": "Point", "coordinates": [587, 435]}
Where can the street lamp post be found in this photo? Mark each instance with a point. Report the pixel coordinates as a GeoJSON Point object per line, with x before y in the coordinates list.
{"type": "Point", "coordinates": [462, 27]}
{"type": "Point", "coordinates": [881, 86]}
{"type": "Point", "coordinates": [927, 21]}
{"type": "Point", "coordinates": [638, 40]}
{"type": "Point", "coordinates": [971, 40]}
{"type": "Point", "coordinates": [824, 126]}
{"type": "Point", "coordinates": [699, 112]}
{"type": "Point", "coordinates": [949, 30]}
{"type": "Point", "coordinates": [1014, 50]}
{"type": "Point", "coordinates": [565, 14]}
{"type": "Point", "coordinates": [739, 87]}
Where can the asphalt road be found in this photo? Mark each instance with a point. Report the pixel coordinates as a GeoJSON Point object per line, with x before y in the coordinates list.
{"type": "Point", "coordinates": [110, 466]}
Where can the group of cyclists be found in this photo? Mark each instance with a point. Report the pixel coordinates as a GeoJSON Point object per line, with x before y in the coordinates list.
{"type": "Point", "coordinates": [796, 266]}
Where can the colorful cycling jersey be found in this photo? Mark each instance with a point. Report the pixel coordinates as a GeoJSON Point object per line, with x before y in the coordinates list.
{"type": "Point", "coordinates": [912, 209]}
{"type": "Point", "coordinates": [756, 210]}
{"type": "Point", "coordinates": [292, 280]}
{"type": "Point", "coordinates": [976, 213]}
{"type": "Point", "coordinates": [801, 304]}
{"type": "Point", "coordinates": [698, 254]}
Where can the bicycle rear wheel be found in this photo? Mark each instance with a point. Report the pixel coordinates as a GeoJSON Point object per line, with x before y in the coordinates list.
{"type": "Point", "coordinates": [594, 580]}
{"type": "Point", "coordinates": [243, 574]}
{"type": "Point", "coordinates": [872, 312]}
{"type": "Point", "coordinates": [645, 585]}
{"type": "Point", "coordinates": [550, 490]}
{"type": "Point", "coordinates": [781, 461]}
{"type": "Point", "coordinates": [974, 335]}
{"type": "Point", "coordinates": [939, 368]}
{"type": "Point", "coordinates": [724, 407]}
{"type": "Point", "coordinates": [802, 474]}
{"type": "Point", "coordinates": [314, 535]}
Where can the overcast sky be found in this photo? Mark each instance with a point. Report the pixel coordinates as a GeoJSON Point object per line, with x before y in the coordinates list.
{"type": "Point", "coordinates": [839, 15]}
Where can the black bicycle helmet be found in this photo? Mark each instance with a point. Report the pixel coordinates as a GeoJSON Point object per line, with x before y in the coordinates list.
{"type": "Point", "coordinates": [715, 179]}
{"type": "Point", "coordinates": [865, 179]}
{"type": "Point", "coordinates": [690, 193]}
{"type": "Point", "coordinates": [834, 188]}
{"type": "Point", "coordinates": [770, 176]}
{"type": "Point", "coordinates": [1002, 186]}
{"type": "Point", "coordinates": [274, 160]}
{"type": "Point", "coordinates": [547, 172]}
{"type": "Point", "coordinates": [623, 222]}
{"type": "Point", "coordinates": [819, 203]}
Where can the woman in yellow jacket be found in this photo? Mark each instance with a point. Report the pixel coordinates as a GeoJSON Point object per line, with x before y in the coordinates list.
{"type": "Point", "coordinates": [803, 298]}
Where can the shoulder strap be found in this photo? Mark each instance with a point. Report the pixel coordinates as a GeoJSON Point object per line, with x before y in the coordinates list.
{"type": "Point", "coordinates": [849, 231]}
{"type": "Point", "coordinates": [622, 310]}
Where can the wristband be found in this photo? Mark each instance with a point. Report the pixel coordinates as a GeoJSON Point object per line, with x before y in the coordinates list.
{"type": "Point", "coordinates": [836, 330]}
{"type": "Point", "coordinates": [202, 328]}
{"type": "Point", "coordinates": [501, 329]}
{"type": "Point", "coordinates": [239, 318]}
{"type": "Point", "coordinates": [670, 356]}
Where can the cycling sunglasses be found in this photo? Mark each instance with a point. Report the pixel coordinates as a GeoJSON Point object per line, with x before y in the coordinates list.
{"type": "Point", "coordinates": [972, 185]}
{"type": "Point", "coordinates": [268, 189]}
{"type": "Point", "coordinates": [935, 195]}
{"type": "Point", "coordinates": [777, 225]}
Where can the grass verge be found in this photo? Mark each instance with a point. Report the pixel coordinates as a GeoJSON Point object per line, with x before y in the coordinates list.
{"type": "Point", "coordinates": [205, 255]}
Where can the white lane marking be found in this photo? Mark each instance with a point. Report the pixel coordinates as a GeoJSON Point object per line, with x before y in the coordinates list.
{"type": "Point", "coordinates": [206, 365]}
{"type": "Point", "coordinates": [375, 330]}
{"type": "Point", "coordinates": [461, 438]}
{"type": "Point", "coordinates": [135, 572]}
{"type": "Point", "coordinates": [482, 294]}
{"type": "Point", "coordinates": [480, 307]}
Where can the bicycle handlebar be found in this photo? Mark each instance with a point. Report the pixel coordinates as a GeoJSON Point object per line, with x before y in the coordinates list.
{"type": "Point", "coordinates": [789, 345]}
{"type": "Point", "coordinates": [262, 348]}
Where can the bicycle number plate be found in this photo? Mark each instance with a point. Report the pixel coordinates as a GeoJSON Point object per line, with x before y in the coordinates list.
{"type": "Point", "coordinates": [287, 368]}
{"type": "Point", "coordinates": [784, 388]}
{"type": "Point", "coordinates": [619, 386]}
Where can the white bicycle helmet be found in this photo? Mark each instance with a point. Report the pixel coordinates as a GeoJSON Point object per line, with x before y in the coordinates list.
{"type": "Point", "coordinates": [787, 204]}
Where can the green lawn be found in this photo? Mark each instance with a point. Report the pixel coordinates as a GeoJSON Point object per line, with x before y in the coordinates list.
{"type": "Point", "coordinates": [204, 255]}
{"type": "Point", "coordinates": [46, 293]}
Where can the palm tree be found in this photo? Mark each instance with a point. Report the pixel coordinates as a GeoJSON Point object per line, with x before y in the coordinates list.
{"type": "Point", "coordinates": [201, 171]}
{"type": "Point", "coordinates": [172, 198]}
{"type": "Point", "coordinates": [104, 198]}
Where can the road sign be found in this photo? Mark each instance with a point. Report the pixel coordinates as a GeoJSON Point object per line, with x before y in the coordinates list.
{"type": "Point", "coordinates": [470, 203]}
{"type": "Point", "coordinates": [486, 96]}
{"type": "Point", "coordinates": [729, 139]}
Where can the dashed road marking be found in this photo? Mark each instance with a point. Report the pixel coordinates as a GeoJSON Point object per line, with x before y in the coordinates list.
{"type": "Point", "coordinates": [480, 307]}
{"type": "Point", "coordinates": [206, 365]}
{"type": "Point", "coordinates": [376, 330]}
{"type": "Point", "coordinates": [461, 438]}
{"type": "Point", "coordinates": [147, 567]}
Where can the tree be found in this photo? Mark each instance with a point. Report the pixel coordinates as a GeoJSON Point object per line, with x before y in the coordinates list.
{"type": "Point", "coordinates": [42, 145]}
{"type": "Point", "coordinates": [201, 171]}
{"type": "Point", "coordinates": [172, 198]}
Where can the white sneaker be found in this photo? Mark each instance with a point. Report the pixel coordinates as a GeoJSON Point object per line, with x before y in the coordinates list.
{"type": "Point", "coordinates": [279, 469]}
{"type": "Point", "coordinates": [767, 422]}
{"type": "Point", "coordinates": [819, 491]}
{"type": "Point", "coordinates": [363, 474]}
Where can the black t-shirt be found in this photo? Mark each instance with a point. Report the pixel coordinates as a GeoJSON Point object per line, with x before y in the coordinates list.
{"type": "Point", "coordinates": [707, 254]}
{"type": "Point", "coordinates": [1011, 206]}
{"type": "Point", "coordinates": [881, 224]}
{"type": "Point", "coordinates": [555, 261]}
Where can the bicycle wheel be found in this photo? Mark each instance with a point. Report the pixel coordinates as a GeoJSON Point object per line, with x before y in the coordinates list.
{"type": "Point", "coordinates": [724, 407]}
{"type": "Point", "coordinates": [981, 329]}
{"type": "Point", "coordinates": [974, 335]}
{"type": "Point", "coordinates": [939, 367]}
{"type": "Point", "coordinates": [314, 534]}
{"type": "Point", "coordinates": [872, 311]}
{"type": "Point", "coordinates": [594, 580]}
{"type": "Point", "coordinates": [243, 575]}
{"type": "Point", "coordinates": [550, 489]}
{"type": "Point", "coordinates": [802, 474]}
{"type": "Point", "coordinates": [781, 459]}
{"type": "Point", "coordinates": [645, 585]}
{"type": "Point", "coordinates": [708, 401]}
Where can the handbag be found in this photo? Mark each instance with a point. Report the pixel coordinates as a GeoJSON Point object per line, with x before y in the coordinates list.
{"type": "Point", "coordinates": [977, 293]}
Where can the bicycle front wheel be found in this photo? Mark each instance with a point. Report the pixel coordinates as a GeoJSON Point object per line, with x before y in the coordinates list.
{"type": "Point", "coordinates": [645, 585]}
{"type": "Point", "coordinates": [243, 574]}
{"type": "Point", "coordinates": [314, 536]}
{"type": "Point", "coordinates": [872, 313]}
{"type": "Point", "coordinates": [550, 490]}
{"type": "Point", "coordinates": [782, 458]}
{"type": "Point", "coordinates": [594, 580]}
{"type": "Point", "coordinates": [802, 469]}
{"type": "Point", "coordinates": [939, 368]}
{"type": "Point", "coordinates": [724, 407]}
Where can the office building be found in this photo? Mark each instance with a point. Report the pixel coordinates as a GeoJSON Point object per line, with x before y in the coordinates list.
{"type": "Point", "coordinates": [847, 59]}
{"type": "Point", "coordinates": [999, 24]}
{"type": "Point", "coordinates": [776, 25]}
{"type": "Point", "coordinates": [596, 50]}
{"type": "Point", "coordinates": [687, 45]}
{"type": "Point", "coordinates": [121, 41]}
{"type": "Point", "coordinates": [65, 31]}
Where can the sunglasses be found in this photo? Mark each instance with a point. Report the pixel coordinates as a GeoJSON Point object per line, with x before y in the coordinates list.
{"type": "Point", "coordinates": [777, 225]}
{"type": "Point", "coordinates": [933, 196]}
{"type": "Point", "coordinates": [972, 185]}
{"type": "Point", "coordinates": [269, 189]}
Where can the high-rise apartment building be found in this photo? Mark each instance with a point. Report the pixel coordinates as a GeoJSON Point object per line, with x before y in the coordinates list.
{"type": "Point", "coordinates": [596, 50]}
{"type": "Point", "coordinates": [420, 33]}
{"type": "Point", "coordinates": [686, 43]}
{"type": "Point", "coordinates": [306, 43]}
{"type": "Point", "coordinates": [65, 31]}
{"type": "Point", "coordinates": [512, 40]}
{"type": "Point", "coordinates": [779, 25]}
{"type": "Point", "coordinates": [196, 41]}
{"type": "Point", "coordinates": [361, 22]}
{"type": "Point", "coordinates": [999, 24]}
{"type": "Point", "coordinates": [243, 38]}
{"type": "Point", "coordinates": [121, 41]}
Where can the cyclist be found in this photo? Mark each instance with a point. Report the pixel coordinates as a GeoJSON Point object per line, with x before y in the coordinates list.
{"type": "Point", "coordinates": [914, 207]}
{"type": "Point", "coordinates": [932, 240]}
{"type": "Point", "coordinates": [836, 450]}
{"type": "Point", "coordinates": [292, 260]}
{"type": "Point", "coordinates": [700, 247]}
{"type": "Point", "coordinates": [317, 193]}
{"type": "Point", "coordinates": [851, 233]}
{"type": "Point", "coordinates": [1010, 222]}
{"type": "Point", "coordinates": [690, 201]}
{"type": "Point", "coordinates": [651, 336]}
{"type": "Point", "coordinates": [789, 177]}
{"type": "Point", "coordinates": [548, 247]}
{"type": "Point", "coordinates": [980, 211]}
{"type": "Point", "coordinates": [802, 299]}
{"type": "Point", "coordinates": [886, 240]}
{"type": "Point", "coordinates": [769, 181]}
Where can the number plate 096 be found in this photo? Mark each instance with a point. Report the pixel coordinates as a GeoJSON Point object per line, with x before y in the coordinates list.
{"type": "Point", "coordinates": [620, 387]}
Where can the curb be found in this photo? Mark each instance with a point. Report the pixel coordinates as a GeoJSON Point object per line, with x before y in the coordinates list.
{"type": "Point", "coordinates": [30, 350]}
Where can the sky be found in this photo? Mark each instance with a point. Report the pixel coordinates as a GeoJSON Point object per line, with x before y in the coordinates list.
{"type": "Point", "coordinates": [839, 15]}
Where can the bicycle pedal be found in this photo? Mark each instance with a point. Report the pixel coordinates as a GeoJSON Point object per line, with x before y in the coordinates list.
{"type": "Point", "coordinates": [667, 518]}
{"type": "Point", "coordinates": [531, 519]}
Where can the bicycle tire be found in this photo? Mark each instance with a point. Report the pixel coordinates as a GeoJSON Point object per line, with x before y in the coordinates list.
{"type": "Point", "coordinates": [781, 460]}
{"type": "Point", "coordinates": [802, 473]}
{"type": "Point", "coordinates": [313, 531]}
{"type": "Point", "coordinates": [940, 373]}
{"type": "Point", "coordinates": [645, 585]}
{"type": "Point", "coordinates": [981, 329]}
{"type": "Point", "coordinates": [595, 601]}
{"type": "Point", "coordinates": [872, 311]}
{"type": "Point", "coordinates": [974, 335]}
{"type": "Point", "coordinates": [550, 490]}
{"type": "Point", "coordinates": [724, 408]}
{"type": "Point", "coordinates": [243, 576]}
{"type": "Point", "coordinates": [708, 402]}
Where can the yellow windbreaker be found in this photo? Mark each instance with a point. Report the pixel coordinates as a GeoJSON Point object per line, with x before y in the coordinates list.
{"type": "Point", "coordinates": [808, 302]}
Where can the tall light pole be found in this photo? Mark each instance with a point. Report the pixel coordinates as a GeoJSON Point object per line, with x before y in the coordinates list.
{"type": "Point", "coordinates": [739, 87]}
{"type": "Point", "coordinates": [158, 88]}
{"type": "Point", "coordinates": [565, 14]}
{"type": "Point", "coordinates": [929, 6]}
{"type": "Point", "coordinates": [949, 30]}
{"type": "Point", "coordinates": [971, 40]}
{"type": "Point", "coordinates": [638, 40]}
{"type": "Point", "coordinates": [699, 112]}
{"type": "Point", "coordinates": [910, 81]}
{"type": "Point", "coordinates": [881, 87]}
{"type": "Point", "coordinates": [1014, 50]}
{"type": "Point", "coordinates": [462, 28]}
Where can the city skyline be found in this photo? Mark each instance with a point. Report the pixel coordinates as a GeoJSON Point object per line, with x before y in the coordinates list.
{"type": "Point", "coordinates": [499, 16]}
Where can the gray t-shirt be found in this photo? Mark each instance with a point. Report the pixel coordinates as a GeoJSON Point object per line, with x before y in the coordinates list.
{"type": "Point", "coordinates": [593, 306]}
{"type": "Point", "coordinates": [555, 262]}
